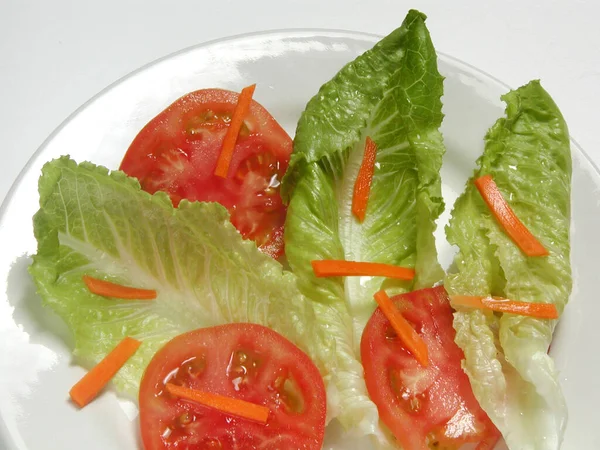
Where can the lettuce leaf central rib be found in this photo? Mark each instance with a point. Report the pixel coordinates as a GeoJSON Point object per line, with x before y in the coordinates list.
{"type": "Point", "coordinates": [391, 94]}
{"type": "Point", "coordinates": [94, 223]}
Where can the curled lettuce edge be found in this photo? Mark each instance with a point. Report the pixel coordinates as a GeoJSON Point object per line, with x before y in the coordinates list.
{"type": "Point", "coordinates": [513, 377]}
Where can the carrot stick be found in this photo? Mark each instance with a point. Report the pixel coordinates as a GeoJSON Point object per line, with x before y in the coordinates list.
{"type": "Point", "coordinates": [108, 289]}
{"type": "Point", "coordinates": [362, 185]}
{"type": "Point", "coordinates": [237, 120]}
{"type": "Point", "coordinates": [341, 268]}
{"type": "Point", "coordinates": [405, 332]}
{"type": "Point", "coordinates": [507, 218]}
{"type": "Point", "coordinates": [94, 381]}
{"type": "Point", "coordinates": [537, 310]}
{"type": "Point", "coordinates": [224, 404]}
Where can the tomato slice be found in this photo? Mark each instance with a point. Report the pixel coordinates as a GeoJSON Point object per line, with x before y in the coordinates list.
{"type": "Point", "coordinates": [429, 407]}
{"type": "Point", "coordinates": [177, 152]}
{"type": "Point", "coordinates": [244, 361]}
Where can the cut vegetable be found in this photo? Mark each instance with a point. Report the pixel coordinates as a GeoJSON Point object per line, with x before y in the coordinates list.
{"type": "Point", "coordinates": [341, 268]}
{"type": "Point", "coordinates": [506, 217]}
{"type": "Point", "coordinates": [537, 310]}
{"type": "Point", "coordinates": [248, 367]}
{"type": "Point", "coordinates": [237, 120]}
{"type": "Point", "coordinates": [513, 377]}
{"type": "Point", "coordinates": [362, 186]}
{"type": "Point", "coordinates": [429, 407]}
{"type": "Point", "coordinates": [187, 254]}
{"type": "Point", "coordinates": [94, 381]}
{"type": "Point", "coordinates": [108, 289]}
{"type": "Point", "coordinates": [177, 153]}
{"type": "Point", "coordinates": [391, 93]}
{"type": "Point", "coordinates": [403, 329]}
{"type": "Point", "coordinates": [224, 404]}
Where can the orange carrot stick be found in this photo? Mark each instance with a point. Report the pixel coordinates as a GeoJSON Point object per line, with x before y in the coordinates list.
{"type": "Point", "coordinates": [227, 405]}
{"type": "Point", "coordinates": [537, 310]}
{"type": "Point", "coordinates": [405, 332]}
{"type": "Point", "coordinates": [362, 185]}
{"type": "Point", "coordinates": [507, 218]}
{"type": "Point", "coordinates": [94, 381]}
{"type": "Point", "coordinates": [237, 120]}
{"type": "Point", "coordinates": [341, 268]}
{"type": "Point", "coordinates": [108, 289]}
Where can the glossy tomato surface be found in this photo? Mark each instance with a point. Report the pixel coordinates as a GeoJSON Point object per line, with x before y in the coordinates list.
{"type": "Point", "coordinates": [429, 407]}
{"type": "Point", "coordinates": [177, 152]}
{"type": "Point", "coordinates": [245, 361]}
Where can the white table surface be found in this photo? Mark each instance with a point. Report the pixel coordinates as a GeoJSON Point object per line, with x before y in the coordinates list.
{"type": "Point", "coordinates": [56, 54]}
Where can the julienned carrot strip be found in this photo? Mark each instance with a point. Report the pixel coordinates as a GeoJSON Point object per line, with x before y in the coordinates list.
{"type": "Point", "coordinates": [237, 120]}
{"type": "Point", "coordinates": [405, 332]}
{"type": "Point", "coordinates": [362, 185]}
{"type": "Point", "coordinates": [227, 405]}
{"type": "Point", "coordinates": [94, 381]}
{"type": "Point", "coordinates": [341, 268]}
{"type": "Point", "coordinates": [507, 218]}
{"type": "Point", "coordinates": [108, 289]}
{"type": "Point", "coordinates": [537, 310]}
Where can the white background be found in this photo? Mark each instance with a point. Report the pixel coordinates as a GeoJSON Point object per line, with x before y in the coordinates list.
{"type": "Point", "coordinates": [56, 54]}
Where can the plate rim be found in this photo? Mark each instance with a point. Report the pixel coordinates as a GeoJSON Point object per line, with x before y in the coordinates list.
{"type": "Point", "coordinates": [254, 34]}
{"type": "Point", "coordinates": [5, 436]}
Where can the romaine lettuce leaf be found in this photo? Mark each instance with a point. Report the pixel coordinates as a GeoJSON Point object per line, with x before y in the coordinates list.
{"type": "Point", "coordinates": [514, 379]}
{"type": "Point", "coordinates": [392, 94]}
{"type": "Point", "coordinates": [101, 224]}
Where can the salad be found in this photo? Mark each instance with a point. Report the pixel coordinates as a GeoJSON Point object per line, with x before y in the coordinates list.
{"type": "Point", "coordinates": [251, 291]}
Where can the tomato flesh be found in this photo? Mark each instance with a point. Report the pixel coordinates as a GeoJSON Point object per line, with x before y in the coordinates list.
{"type": "Point", "coordinates": [244, 361]}
{"type": "Point", "coordinates": [177, 152]}
{"type": "Point", "coordinates": [429, 407]}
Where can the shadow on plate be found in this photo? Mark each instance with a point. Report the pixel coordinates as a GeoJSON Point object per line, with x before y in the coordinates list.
{"type": "Point", "coordinates": [42, 325]}
{"type": "Point", "coordinates": [46, 329]}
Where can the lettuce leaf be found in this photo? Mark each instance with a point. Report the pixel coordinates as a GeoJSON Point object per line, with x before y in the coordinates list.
{"type": "Point", "coordinates": [101, 224]}
{"type": "Point", "coordinates": [513, 377]}
{"type": "Point", "coordinates": [392, 94]}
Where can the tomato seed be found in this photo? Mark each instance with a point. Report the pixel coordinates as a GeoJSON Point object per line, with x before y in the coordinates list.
{"type": "Point", "coordinates": [288, 394]}
{"type": "Point", "coordinates": [241, 357]}
{"type": "Point", "coordinates": [186, 418]}
{"type": "Point", "coordinates": [433, 442]}
{"type": "Point", "coordinates": [208, 121]}
{"type": "Point", "coordinates": [244, 130]}
{"type": "Point", "coordinates": [212, 444]}
{"type": "Point", "coordinates": [242, 368]}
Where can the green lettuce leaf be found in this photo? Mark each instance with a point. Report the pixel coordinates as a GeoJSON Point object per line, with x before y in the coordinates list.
{"type": "Point", "coordinates": [392, 94]}
{"type": "Point", "coordinates": [514, 379]}
{"type": "Point", "coordinates": [101, 224]}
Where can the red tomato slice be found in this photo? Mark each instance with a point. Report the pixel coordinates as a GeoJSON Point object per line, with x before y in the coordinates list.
{"type": "Point", "coordinates": [424, 407]}
{"type": "Point", "coordinates": [177, 152]}
{"type": "Point", "coordinates": [244, 361]}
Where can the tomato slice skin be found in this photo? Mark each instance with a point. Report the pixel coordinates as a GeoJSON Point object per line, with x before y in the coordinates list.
{"type": "Point", "coordinates": [177, 152]}
{"type": "Point", "coordinates": [245, 361]}
{"type": "Point", "coordinates": [424, 407]}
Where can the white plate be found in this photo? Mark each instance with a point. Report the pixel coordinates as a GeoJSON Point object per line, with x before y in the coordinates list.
{"type": "Point", "coordinates": [36, 372]}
